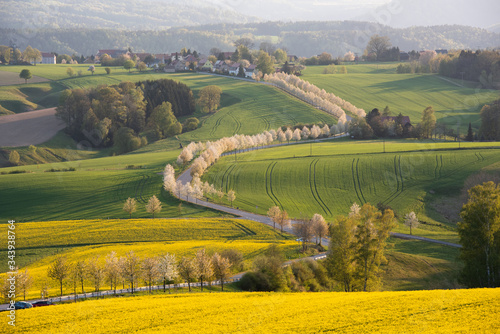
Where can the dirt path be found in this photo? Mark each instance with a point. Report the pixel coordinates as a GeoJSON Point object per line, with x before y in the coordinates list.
{"type": "Point", "coordinates": [29, 128]}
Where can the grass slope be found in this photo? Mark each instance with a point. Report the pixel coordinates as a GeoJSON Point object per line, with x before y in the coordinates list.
{"type": "Point", "coordinates": [381, 312]}
{"type": "Point", "coordinates": [408, 178]}
{"type": "Point", "coordinates": [371, 86]}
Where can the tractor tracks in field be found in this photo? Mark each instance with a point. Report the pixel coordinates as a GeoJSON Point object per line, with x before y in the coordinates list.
{"type": "Point", "coordinates": [314, 188]}
{"type": "Point", "coordinates": [269, 184]}
{"type": "Point", "coordinates": [356, 181]}
{"type": "Point", "coordinates": [398, 172]}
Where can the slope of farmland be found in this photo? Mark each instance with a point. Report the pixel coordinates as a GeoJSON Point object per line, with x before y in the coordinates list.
{"type": "Point", "coordinates": [440, 311]}
{"type": "Point", "coordinates": [40, 242]}
{"type": "Point", "coordinates": [371, 86]}
{"type": "Point", "coordinates": [336, 175]}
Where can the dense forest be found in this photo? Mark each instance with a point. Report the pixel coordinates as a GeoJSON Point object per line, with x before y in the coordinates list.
{"type": "Point", "coordinates": [299, 38]}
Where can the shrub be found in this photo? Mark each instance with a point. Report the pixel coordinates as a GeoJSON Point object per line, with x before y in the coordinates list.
{"type": "Point", "coordinates": [255, 281]}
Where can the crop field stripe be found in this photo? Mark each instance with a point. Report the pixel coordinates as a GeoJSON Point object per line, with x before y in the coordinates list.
{"type": "Point", "coordinates": [224, 176]}
{"type": "Point", "coordinates": [401, 174]}
{"type": "Point", "coordinates": [441, 167]}
{"type": "Point", "coordinates": [271, 184]}
{"type": "Point", "coordinates": [227, 177]}
{"type": "Point", "coordinates": [268, 186]}
{"type": "Point", "coordinates": [217, 123]}
{"type": "Point", "coordinates": [245, 229]}
{"type": "Point", "coordinates": [436, 168]}
{"type": "Point", "coordinates": [238, 123]}
{"type": "Point", "coordinates": [354, 181]}
{"type": "Point", "coordinates": [317, 192]}
{"type": "Point", "coordinates": [312, 184]}
{"type": "Point", "coordinates": [396, 172]}
{"type": "Point", "coordinates": [359, 183]}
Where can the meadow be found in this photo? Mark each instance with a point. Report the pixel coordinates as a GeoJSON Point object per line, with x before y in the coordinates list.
{"type": "Point", "coordinates": [439, 311]}
{"type": "Point", "coordinates": [408, 177]}
{"type": "Point", "coordinates": [370, 86]}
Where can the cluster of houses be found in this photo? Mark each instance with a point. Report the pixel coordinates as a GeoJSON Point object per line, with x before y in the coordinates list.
{"type": "Point", "coordinates": [176, 62]}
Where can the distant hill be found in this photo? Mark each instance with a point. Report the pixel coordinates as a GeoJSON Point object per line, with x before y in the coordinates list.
{"type": "Point", "coordinates": [407, 13]}
{"type": "Point", "coordinates": [300, 38]}
{"type": "Point", "coordinates": [114, 14]}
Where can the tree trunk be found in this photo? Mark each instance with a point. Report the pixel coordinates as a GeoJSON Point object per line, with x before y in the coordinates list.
{"type": "Point", "coordinates": [189, 286]}
{"type": "Point", "coordinates": [164, 285]}
{"type": "Point", "coordinates": [222, 285]}
{"type": "Point", "coordinates": [201, 284]}
{"type": "Point", "coordinates": [61, 287]}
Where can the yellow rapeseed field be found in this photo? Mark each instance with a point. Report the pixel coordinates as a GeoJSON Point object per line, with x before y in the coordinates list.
{"type": "Point", "coordinates": [437, 311]}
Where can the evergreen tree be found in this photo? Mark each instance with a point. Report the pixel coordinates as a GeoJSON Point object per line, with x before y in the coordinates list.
{"type": "Point", "coordinates": [470, 134]}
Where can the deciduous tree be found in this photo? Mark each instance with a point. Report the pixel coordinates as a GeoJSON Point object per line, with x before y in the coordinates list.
{"type": "Point", "coordinates": [222, 268]}
{"type": "Point", "coordinates": [59, 270]}
{"type": "Point", "coordinates": [188, 270]}
{"type": "Point", "coordinates": [130, 206]}
{"type": "Point", "coordinates": [24, 282]}
{"type": "Point", "coordinates": [167, 268]}
{"type": "Point", "coordinates": [274, 213]}
{"type": "Point", "coordinates": [320, 227]}
{"type": "Point", "coordinates": [411, 220]}
{"type": "Point", "coordinates": [265, 63]}
{"type": "Point", "coordinates": [378, 45]}
{"type": "Point", "coordinates": [342, 252]}
{"type": "Point", "coordinates": [209, 99]}
{"type": "Point", "coordinates": [14, 157]}
{"type": "Point", "coordinates": [26, 75]}
{"type": "Point", "coordinates": [153, 206]}
{"type": "Point", "coordinates": [428, 123]}
{"type": "Point", "coordinates": [479, 234]}
{"type": "Point", "coordinates": [95, 271]}
{"type": "Point", "coordinates": [149, 269]}
{"type": "Point", "coordinates": [112, 270]}
{"type": "Point", "coordinates": [129, 64]}
{"type": "Point", "coordinates": [231, 196]}
{"type": "Point", "coordinates": [131, 268]}
{"type": "Point", "coordinates": [204, 266]}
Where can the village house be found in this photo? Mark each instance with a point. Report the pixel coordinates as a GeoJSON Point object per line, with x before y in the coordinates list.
{"type": "Point", "coordinates": [250, 70]}
{"type": "Point", "coordinates": [234, 68]}
{"type": "Point", "coordinates": [48, 58]}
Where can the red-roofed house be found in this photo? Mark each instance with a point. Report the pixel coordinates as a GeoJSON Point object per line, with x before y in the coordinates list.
{"type": "Point", "coordinates": [48, 58]}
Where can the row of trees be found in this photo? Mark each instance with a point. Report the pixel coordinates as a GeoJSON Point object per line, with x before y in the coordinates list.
{"type": "Point", "coordinates": [313, 95]}
{"type": "Point", "coordinates": [117, 115]}
{"type": "Point", "coordinates": [130, 270]}
{"type": "Point", "coordinates": [15, 56]}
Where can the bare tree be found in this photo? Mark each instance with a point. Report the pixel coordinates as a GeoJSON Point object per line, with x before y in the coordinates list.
{"type": "Point", "coordinates": [319, 226]}
{"type": "Point", "coordinates": [112, 270]}
{"type": "Point", "coordinates": [303, 229]}
{"type": "Point", "coordinates": [274, 213]}
{"type": "Point", "coordinates": [80, 272]}
{"type": "Point", "coordinates": [24, 282]}
{"type": "Point", "coordinates": [59, 270]}
{"type": "Point", "coordinates": [283, 220]}
{"type": "Point", "coordinates": [150, 272]}
{"type": "Point", "coordinates": [153, 206]}
{"type": "Point", "coordinates": [167, 269]}
{"type": "Point", "coordinates": [188, 270]}
{"type": "Point", "coordinates": [222, 268]}
{"type": "Point", "coordinates": [96, 272]}
{"type": "Point", "coordinates": [378, 45]}
{"type": "Point", "coordinates": [204, 266]}
{"type": "Point", "coordinates": [130, 206]}
{"type": "Point", "coordinates": [131, 268]}
{"type": "Point", "coordinates": [411, 220]}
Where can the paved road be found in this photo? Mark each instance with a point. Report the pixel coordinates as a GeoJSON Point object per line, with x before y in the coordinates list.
{"type": "Point", "coordinates": [29, 128]}
{"type": "Point", "coordinates": [186, 177]}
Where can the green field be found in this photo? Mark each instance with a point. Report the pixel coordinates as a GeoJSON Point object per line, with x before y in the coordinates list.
{"type": "Point", "coordinates": [408, 177]}
{"type": "Point", "coordinates": [369, 86]}
{"type": "Point", "coordinates": [440, 311]}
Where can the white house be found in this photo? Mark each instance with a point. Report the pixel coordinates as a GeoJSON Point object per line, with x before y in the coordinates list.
{"type": "Point", "coordinates": [48, 58]}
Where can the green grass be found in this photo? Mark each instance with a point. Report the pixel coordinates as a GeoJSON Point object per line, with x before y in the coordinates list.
{"type": "Point", "coordinates": [97, 189]}
{"type": "Point", "coordinates": [407, 178]}
{"type": "Point", "coordinates": [371, 86]}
